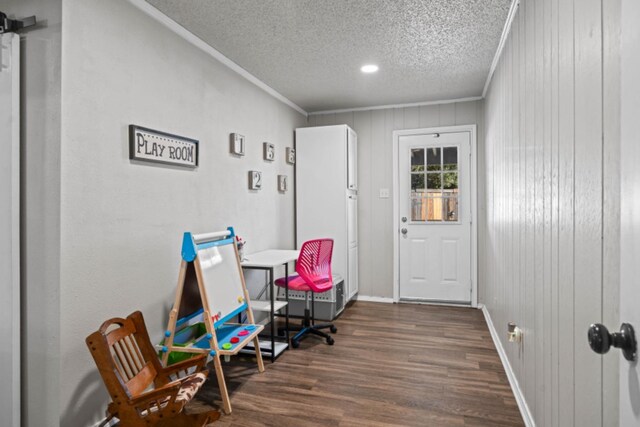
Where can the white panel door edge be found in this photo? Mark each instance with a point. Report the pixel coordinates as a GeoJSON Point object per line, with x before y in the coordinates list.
{"type": "Point", "coordinates": [471, 204]}
{"type": "Point", "coordinates": [629, 210]}
{"type": "Point", "coordinates": [10, 224]}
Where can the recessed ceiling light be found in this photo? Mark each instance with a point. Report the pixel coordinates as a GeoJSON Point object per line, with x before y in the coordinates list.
{"type": "Point", "coordinates": [369, 68]}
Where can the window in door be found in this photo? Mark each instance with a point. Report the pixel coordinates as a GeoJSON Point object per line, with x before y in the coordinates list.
{"type": "Point", "coordinates": [434, 184]}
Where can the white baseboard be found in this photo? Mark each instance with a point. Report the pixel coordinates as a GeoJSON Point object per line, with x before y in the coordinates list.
{"type": "Point", "coordinates": [527, 417]}
{"type": "Point", "coordinates": [437, 303]}
{"type": "Point", "coordinates": [110, 423]}
{"type": "Point", "coordinates": [374, 299]}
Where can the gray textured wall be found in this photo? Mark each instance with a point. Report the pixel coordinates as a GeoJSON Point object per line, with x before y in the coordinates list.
{"type": "Point", "coordinates": [122, 223]}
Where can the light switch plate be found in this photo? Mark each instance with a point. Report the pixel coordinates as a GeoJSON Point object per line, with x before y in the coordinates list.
{"type": "Point", "coordinates": [282, 183]}
{"type": "Point", "coordinates": [291, 155]}
{"type": "Point", "coordinates": [384, 193]}
{"type": "Point", "coordinates": [255, 180]}
{"type": "Point", "coordinates": [237, 144]}
{"type": "Point", "coordinates": [269, 151]}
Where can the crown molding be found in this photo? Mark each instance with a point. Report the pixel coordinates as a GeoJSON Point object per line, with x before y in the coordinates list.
{"type": "Point", "coordinates": [384, 107]}
{"type": "Point", "coordinates": [202, 45]}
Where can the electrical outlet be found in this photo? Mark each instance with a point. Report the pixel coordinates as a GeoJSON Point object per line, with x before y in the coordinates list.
{"type": "Point", "coordinates": [384, 193]}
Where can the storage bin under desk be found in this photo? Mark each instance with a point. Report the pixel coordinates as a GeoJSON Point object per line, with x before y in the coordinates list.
{"type": "Point", "coordinates": [328, 305]}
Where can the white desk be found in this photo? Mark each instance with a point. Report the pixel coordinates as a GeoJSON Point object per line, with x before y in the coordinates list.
{"type": "Point", "coordinates": [269, 260]}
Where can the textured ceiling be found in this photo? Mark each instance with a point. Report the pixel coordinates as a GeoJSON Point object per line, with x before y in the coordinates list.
{"type": "Point", "coordinates": [311, 50]}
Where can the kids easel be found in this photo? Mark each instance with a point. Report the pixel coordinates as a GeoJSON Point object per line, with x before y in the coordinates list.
{"type": "Point", "coordinates": [211, 285]}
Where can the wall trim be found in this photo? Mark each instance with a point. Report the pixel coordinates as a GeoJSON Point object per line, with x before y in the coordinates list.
{"type": "Point", "coordinates": [384, 107]}
{"type": "Point", "coordinates": [374, 299]}
{"type": "Point", "coordinates": [503, 40]}
{"type": "Point", "coordinates": [472, 129]}
{"type": "Point", "coordinates": [436, 303]}
{"type": "Point", "coordinates": [527, 417]}
{"type": "Point", "coordinates": [202, 45]}
{"type": "Point", "coordinates": [111, 422]}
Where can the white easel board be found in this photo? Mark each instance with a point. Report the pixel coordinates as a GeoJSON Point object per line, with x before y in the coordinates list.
{"type": "Point", "coordinates": [222, 281]}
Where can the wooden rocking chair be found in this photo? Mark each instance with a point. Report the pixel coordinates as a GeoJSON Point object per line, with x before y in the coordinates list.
{"type": "Point", "coordinates": [143, 392]}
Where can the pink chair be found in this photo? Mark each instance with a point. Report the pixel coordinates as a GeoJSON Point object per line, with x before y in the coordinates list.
{"type": "Point", "coordinates": [314, 275]}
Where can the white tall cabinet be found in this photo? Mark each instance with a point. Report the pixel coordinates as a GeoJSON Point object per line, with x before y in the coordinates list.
{"type": "Point", "coordinates": [327, 195]}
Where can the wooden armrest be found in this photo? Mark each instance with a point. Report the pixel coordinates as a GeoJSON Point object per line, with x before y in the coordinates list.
{"type": "Point", "coordinates": [198, 361]}
{"type": "Point", "coordinates": [168, 390]}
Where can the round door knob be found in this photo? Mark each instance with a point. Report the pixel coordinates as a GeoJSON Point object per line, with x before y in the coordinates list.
{"type": "Point", "coordinates": [404, 231]}
{"type": "Point", "coordinates": [600, 340]}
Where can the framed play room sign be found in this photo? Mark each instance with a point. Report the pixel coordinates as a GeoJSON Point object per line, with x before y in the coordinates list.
{"type": "Point", "coordinates": [154, 146]}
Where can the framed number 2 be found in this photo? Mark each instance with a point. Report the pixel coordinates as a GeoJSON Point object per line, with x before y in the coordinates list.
{"type": "Point", "coordinates": [255, 180]}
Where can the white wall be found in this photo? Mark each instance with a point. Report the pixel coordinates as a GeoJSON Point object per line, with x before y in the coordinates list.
{"type": "Point", "coordinates": [375, 172]}
{"type": "Point", "coordinates": [40, 205]}
{"type": "Point", "coordinates": [550, 254]}
{"type": "Point", "coordinates": [122, 222]}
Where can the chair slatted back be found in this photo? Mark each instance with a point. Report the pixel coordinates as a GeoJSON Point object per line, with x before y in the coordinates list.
{"type": "Point", "coordinates": [124, 355]}
{"type": "Point", "coordinates": [314, 261]}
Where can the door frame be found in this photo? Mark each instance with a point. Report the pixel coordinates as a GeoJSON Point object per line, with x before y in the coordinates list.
{"type": "Point", "coordinates": [473, 174]}
{"type": "Point", "coordinates": [10, 43]}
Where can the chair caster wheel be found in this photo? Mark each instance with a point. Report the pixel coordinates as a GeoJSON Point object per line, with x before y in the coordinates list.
{"type": "Point", "coordinates": [330, 341]}
{"type": "Point", "coordinates": [333, 329]}
{"type": "Point", "coordinates": [295, 343]}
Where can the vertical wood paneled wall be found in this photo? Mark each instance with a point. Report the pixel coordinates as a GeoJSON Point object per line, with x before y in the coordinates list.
{"type": "Point", "coordinates": [549, 250]}
{"type": "Point", "coordinates": [375, 152]}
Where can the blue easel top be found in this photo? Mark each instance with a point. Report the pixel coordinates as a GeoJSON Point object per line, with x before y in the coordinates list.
{"type": "Point", "coordinates": [190, 248]}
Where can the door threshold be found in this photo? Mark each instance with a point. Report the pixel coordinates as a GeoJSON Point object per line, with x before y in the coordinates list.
{"type": "Point", "coordinates": [435, 302]}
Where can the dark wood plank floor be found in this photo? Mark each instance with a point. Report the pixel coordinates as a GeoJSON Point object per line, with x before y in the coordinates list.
{"type": "Point", "coordinates": [391, 365]}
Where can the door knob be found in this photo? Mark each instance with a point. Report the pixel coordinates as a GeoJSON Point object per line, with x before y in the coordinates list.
{"type": "Point", "coordinates": [601, 340]}
{"type": "Point", "coordinates": [404, 231]}
{"type": "Point", "coordinates": [404, 219]}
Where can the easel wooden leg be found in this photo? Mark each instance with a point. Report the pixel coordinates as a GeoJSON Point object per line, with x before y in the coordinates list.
{"type": "Point", "coordinates": [173, 316]}
{"type": "Point", "coordinates": [226, 404]}
{"type": "Point", "coordinates": [256, 345]}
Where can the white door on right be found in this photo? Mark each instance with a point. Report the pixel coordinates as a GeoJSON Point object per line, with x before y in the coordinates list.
{"type": "Point", "coordinates": [10, 228]}
{"type": "Point", "coordinates": [435, 217]}
{"type": "Point", "coordinates": [629, 405]}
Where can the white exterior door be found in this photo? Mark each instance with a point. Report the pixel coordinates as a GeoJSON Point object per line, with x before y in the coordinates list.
{"type": "Point", "coordinates": [434, 217]}
{"type": "Point", "coordinates": [630, 210]}
{"type": "Point", "coordinates": [10, 228]}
